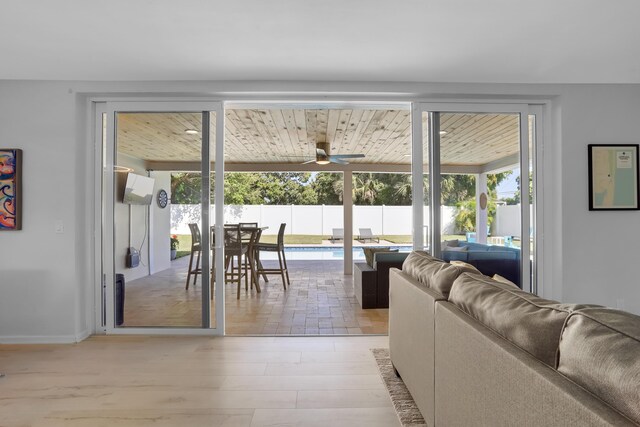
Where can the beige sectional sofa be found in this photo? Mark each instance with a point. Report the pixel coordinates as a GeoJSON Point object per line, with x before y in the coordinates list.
{"type": "Point", "coordinates": [477, 352]}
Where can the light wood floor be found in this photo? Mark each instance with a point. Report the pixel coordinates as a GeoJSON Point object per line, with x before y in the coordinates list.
{"type": "Point", "coordinates": [139, 381]}
{"type": "Point", "coordinates": [320, 301]}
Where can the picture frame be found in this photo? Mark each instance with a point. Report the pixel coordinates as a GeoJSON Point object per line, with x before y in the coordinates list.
{"type": "Point", "coordinates": [10, 189]}
{"type": "Point", "coordinates": [613, 177]}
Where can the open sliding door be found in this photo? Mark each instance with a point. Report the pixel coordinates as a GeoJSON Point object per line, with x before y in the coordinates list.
{"type": "Point", "coordinates": [163, 169]}
{"type": "Point", "coordinates": [468, 163]}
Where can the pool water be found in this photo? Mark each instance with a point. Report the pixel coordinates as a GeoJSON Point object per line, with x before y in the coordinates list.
{"type": "Point", "coordinates": [299, 253]}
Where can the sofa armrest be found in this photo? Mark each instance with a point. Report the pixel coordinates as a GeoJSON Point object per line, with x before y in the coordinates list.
{"type": "Point", "coordinates": [411, 337]}
{"type": "Point", "coordinates": [471, 360]}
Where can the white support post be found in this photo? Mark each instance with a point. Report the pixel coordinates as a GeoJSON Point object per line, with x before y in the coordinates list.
{"type": "Point", "coordinates": [482, 201]}
{"type": "Point", "coordinates": [347, 212]}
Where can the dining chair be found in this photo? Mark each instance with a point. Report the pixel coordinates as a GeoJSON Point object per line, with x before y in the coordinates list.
{"type": "Point", "coordinates": [246, 229]}
{"type": "Point", "coordinates": [196, 251]}
{"type": "Point", "coordinates": [234, 249]}
{"type": "Point", "coordinates": [277, 247]}
{"type": "Point", "coordinates": [251, 257]}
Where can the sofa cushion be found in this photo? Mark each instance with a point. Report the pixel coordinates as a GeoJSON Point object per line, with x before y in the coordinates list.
{"type": "Point", "coordinates": [432, 272]}
{"type": "Point", "coordinates": [484, 255]}
{"type": "Point", "coordinates": [600, 350]}
{"type": "Point", "coordinates": [392, 257]}
{"type": "Point", "coordinates": [499, 278]}
{"type": "Point", "coordinates": [368, 253]}
{"type": "Point", "coordinates": [450, 243]}
{"type": "Point", "coordinates": [531, 323]}
{"type": "Point", "coordinates": [466, 265]}
{"type": "Point", "coordinates": [456, 248]}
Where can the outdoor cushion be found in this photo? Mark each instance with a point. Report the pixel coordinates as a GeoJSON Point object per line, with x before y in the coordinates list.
{"type": "Point", "coordinates": [455, 255]}
{"type": "Point", "coordinates": [432, 272]}
{"type": "Point", "coordinates": [449, 243]}
{"type": "Point", "coordinates": [531, 323]}
{"type": "Point", "coordinates": [600, 350]}
{"type": "Point", "coordinates": [478, 255]}
{"type": "Point", "coordinates": [393, 256]}
{"type": "Point", "coordinates": [456, 248]}
{"type": "Point", "coordinates": [368, 253]}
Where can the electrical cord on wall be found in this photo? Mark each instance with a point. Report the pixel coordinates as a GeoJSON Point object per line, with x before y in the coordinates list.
{"type": "Point", "coordinates": [146, 231]}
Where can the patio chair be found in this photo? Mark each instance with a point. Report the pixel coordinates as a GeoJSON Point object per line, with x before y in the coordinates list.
{"type": "Point", "coordinates": [367, 234]}
{"type": "Point", "coordinates": [234, 249]}
{"type": "Point", "coordinates": [337, 234]}
{"type": "Point", "coordinates": [196, 250]}
{"type": "Point", "coordinates": [282, 260]}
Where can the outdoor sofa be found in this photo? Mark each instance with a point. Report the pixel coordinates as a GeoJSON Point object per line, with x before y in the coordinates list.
{"type": "Point", "coordinates": [489, 259]}
{"type": "Point", "coordinates": [476, 351]}
{"type": "Point", "coordinates": [371, 282]}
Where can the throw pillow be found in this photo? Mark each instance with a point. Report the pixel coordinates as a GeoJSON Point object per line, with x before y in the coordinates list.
{"type": "Point", "coordinates": [446, 244]}
{"type": "Point", "coordinates": [499, 278]}
{"type": "Point", "coordinates": [457, 248]}
{"type": "Point", "coordinates": [466, 265]}
{"type": "Point", "coordinates": [368, 253]}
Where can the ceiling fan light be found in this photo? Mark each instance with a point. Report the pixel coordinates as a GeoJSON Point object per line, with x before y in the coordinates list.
{"type": "Point", "coordinates": [322, 162]}
{"type": "Point", "coordinates": [121, 169]}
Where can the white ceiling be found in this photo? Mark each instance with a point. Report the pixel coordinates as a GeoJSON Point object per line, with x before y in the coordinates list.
{"type": "Point", "coordinates": [505, 41]}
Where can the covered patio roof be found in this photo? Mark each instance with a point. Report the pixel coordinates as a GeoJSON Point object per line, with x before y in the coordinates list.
{"type": "Point", "coordinates": [276, 139]}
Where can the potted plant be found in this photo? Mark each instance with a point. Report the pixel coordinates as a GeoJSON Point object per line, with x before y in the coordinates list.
{"type": "Point", "coordinates": [174, 246]}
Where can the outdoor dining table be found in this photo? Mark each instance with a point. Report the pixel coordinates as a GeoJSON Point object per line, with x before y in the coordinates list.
{"type": "Point", "coordinates": [246, 233]}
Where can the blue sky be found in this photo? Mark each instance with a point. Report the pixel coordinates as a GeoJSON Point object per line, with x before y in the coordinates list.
{"type": "Point", "coordinates": [509, 186]}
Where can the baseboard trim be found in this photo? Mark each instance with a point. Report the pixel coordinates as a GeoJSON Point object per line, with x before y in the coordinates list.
{"type": "Point", "coordinates": [83, 335]}
{"type": "Point", "coordinates": [54, 339]}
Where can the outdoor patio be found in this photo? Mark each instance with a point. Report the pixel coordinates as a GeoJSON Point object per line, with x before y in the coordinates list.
{"type": "Point", "coordinates": [320, 301]}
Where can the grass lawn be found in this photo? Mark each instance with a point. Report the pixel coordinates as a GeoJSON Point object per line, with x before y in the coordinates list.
{"type": "Point", "coordinates": [396, 238]}
{"type": "Point", "coordinates": [293, 239]}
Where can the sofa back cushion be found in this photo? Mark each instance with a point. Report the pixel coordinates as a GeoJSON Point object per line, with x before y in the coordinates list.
{"type": "Point", "coordinates": [370, 252]}
{"type": "Point", "coordinates": [432, 272]}
{"type": "Point", "coordinates": [600, 350]}
{"type": "Point", "coordinates": [531, 323]}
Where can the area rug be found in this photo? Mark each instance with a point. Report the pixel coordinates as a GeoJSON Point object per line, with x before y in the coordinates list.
{"type": "Point", "coordinates": [405, 407]}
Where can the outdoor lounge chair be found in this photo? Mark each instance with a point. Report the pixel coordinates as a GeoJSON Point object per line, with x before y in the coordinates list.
{"type": "Point", "coordinates": [337, 234]}
{"type": "Point", "coordinates": [366, 234]}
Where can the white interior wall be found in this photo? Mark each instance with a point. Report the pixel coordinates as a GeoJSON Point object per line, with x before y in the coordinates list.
{"type": "Point", "coordinates": [160, 225]}
{"type": "Point", "coordinates": [599, 259]}
{"type": "Point", "coordinates": [138, 217]}
{"type": "Point", "coordinates": [48, 279]}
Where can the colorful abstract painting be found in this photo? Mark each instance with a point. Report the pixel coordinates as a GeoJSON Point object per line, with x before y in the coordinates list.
{"type": "Point", "coordinates": [10, 196]}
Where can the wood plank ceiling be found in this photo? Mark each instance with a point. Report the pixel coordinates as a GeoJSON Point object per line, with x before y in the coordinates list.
{"type": "Point", "coordinates": [289, 135]}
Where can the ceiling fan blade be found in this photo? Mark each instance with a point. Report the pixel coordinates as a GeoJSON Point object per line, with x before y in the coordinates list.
{"type": "Point", "coordinates": [338, 161]}
{"type": "Point", "coordinates": [347, 156]}
{"type": "Point", "coordinates": [320, 152]}
{"type": "Point", "coordinates": [309, 161]}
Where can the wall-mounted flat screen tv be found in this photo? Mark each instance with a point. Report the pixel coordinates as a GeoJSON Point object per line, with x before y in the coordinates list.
{"type": "Point", "coordinates": [138, 190]}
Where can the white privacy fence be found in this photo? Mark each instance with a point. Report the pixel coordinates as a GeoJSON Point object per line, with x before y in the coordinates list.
{"type": "Point", "coordinates": [507, 221]}
{"type": "Point", "coordinates": [314, 219]}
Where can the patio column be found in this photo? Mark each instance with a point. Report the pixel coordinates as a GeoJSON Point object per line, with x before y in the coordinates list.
{"type": "Point", "coordinates": [347, 213]}
{"type": "Point", "coordinates": [482, 201]}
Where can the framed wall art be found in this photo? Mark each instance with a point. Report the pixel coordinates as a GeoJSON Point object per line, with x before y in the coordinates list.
{"type": "Point", "coordinates": [613, 177]}
{"type": "Point", "coordinates": [10, 189]}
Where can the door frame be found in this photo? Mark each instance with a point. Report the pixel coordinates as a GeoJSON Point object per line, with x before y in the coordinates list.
{"type": "Point", "coordinates": [106, 183]}
{"type": "Point", "coordinates": [418, 109]}
{"type": "Point", "coordinates": [96, 104]}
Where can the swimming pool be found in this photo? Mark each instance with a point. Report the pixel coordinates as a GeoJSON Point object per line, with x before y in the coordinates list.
{"type": "Point", "coordinates": [299, 253]}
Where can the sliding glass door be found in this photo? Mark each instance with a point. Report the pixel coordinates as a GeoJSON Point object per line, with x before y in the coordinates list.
{"type": "Point", "coordinates": [471, 162]}
{"type": "Point", "coordinates": [161, 264]}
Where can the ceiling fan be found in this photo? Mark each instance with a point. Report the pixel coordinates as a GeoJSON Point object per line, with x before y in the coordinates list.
{"type": "Point", "coordinates": [324, 158]}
